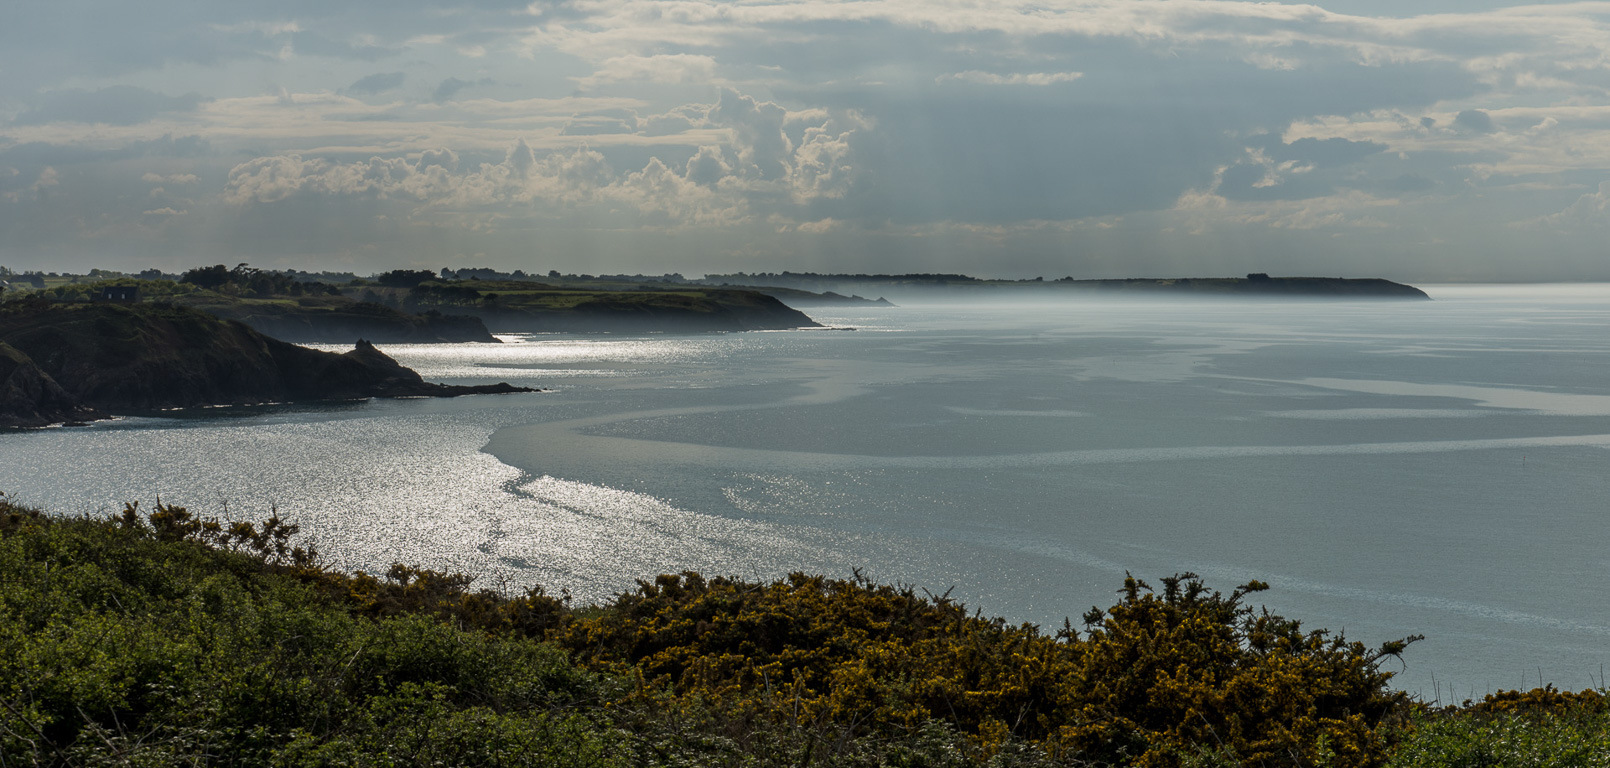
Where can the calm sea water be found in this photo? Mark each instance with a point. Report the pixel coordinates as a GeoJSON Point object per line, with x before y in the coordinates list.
{"type": "Point", "coordinates": [1436, 468]}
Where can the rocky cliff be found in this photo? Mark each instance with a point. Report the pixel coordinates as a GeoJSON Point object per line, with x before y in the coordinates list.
{"type": "Point", "coordinates": [340, 320]}
{"type": "Point", "coordinates": [29, 397]}
{"type": "Point", "coordinates": [150, 357]}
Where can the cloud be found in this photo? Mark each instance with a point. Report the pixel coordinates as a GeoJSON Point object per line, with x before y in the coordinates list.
{"type": "Point", "coordinates": [818, 227]}
{"type": "Point", "coordinates": [707, 166]}
{"type": "Point", "coordinates": [1474, 121]}
{"type": "Point", "coordinates": [1306, 168]}
{"type": "Point", "coordinates": [115, 105]}
{"type": "Point", "coordinates": [660, 68]}
{"type": "Point", "coordinates": [758, 164]}
{"type": "Point", "coordinates": [379, 82]}
{"type": "Point", "coordinates": [172, 178]}
{"type": "Point", "coordinates": [602, 123]}
{"type": "Point", "coordinates": [1590, 211]}
{"type": "Point", "coordinates": [1016, 78]}
{"type": "Point", "coordinates": [450, 87]}
{"type": "Point", "coordinates": [757, 133]}
{"type": "Point", "coordinates": [1016, 123]}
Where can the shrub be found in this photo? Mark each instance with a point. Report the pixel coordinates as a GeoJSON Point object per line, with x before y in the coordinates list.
{"type": "Point", "coordinates": [1541, 728]}
{"type": "Point", "coordinates": [163, 639]}
{"type": "Point", "coordinates": [1159, 677]}
{"type": "Point", "coordinates": [167, 638]}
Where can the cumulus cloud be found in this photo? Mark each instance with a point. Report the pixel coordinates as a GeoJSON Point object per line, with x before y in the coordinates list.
{"type": "Point", "coordinates": [720, 184]}
{"type": "Point", "coordinates": [707, 166]}
{"type": "Point", "coordinates": [757, 133]}
{"type": "Point", "coordinates": [1590, 211]}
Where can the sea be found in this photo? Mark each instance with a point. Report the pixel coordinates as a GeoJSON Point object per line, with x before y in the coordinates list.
{"type": "Point", "coordinates": [1389, 468]}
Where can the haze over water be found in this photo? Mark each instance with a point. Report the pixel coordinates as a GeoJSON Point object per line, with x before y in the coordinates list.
{"type": "Point", "coordinates": [1389, 468]}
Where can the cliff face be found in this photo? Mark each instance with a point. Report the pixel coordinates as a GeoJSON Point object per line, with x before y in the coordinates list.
{"type": "Point", "coordinates": [29, 397]}
{"type": "Point", "coordinates": [339, 320]}
{"type": "Point", "coordinates": [151, 357]}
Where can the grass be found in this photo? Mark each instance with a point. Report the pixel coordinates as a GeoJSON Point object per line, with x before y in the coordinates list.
{"type": "Point", "coordinates": [1506, 740]}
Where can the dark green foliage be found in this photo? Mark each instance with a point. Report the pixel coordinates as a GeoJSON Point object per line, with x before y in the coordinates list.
{"type": "Point", "coordinates": [135, 642]}
{"type": "Point", "coordinates": [405, 278]}
{"type": "Point", "coordinates": [1541, 728]}
{"type": "Point", "coordinates": [206, 277]}
{"type": "Point", "coordinates": [248, 281]}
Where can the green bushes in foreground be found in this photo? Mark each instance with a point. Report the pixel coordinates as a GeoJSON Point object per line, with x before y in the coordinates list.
{"type": "Point", "coordinates": [165, 639]}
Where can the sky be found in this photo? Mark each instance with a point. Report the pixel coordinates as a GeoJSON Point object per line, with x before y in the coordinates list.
{"type": "Point", "coordinates": [1431, 141]}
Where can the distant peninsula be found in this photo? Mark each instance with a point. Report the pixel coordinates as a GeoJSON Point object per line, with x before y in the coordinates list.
{"type": "Point", "coordinates": [533, 307]}
{"type": "Point", "coordinates": [938, 285]}
{"type": "Point", "coordinates": [414, 307]}
{"type": "Point", "coordinates": [78, 362]}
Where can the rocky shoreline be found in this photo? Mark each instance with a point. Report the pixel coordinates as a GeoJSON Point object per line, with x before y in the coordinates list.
{"type": "Point", "coordinates": [64, 363]}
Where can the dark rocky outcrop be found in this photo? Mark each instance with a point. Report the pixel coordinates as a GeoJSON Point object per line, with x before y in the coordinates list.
{"type": "Point", "coordinates": [29, 397]}
{"type": "Point", "coordinates": [368, 369]}
{"type": "Point", "coordinates": [145, 357]}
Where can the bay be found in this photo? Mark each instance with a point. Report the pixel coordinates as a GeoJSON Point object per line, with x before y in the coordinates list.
{"type": "Point", "coordinates": [1389, 468]}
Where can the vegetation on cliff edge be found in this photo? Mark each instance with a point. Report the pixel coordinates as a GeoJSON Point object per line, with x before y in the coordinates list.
{"type": "Point", "coordinates": [168, 639]}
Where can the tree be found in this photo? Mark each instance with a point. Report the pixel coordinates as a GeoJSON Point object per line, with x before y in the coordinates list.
{"type": "Point", "coordinates": [207, 277]}
{"type": "Point", "coordinates": [405, 278]}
